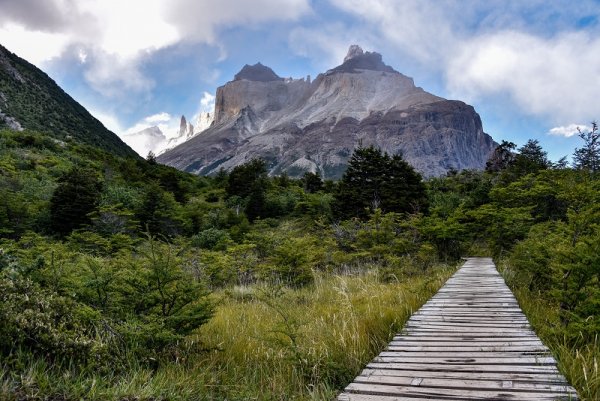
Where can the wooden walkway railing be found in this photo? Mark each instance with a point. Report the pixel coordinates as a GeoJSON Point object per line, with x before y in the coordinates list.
{"type": "Point", "coordinates": [471, 341]}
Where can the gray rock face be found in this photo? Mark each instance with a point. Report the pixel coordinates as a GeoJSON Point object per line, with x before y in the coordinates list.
{"type": "Point", "coordinates": [298, 125]}
{"type": "Point", "coordinates": [257, 72]}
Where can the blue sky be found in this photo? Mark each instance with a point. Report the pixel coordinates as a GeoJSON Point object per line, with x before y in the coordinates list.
{"type": "Point", "coordinates": [530, 68]}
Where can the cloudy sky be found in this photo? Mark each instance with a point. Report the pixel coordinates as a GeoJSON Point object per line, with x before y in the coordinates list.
{"type": "Point", "coordinates": [530, 68]}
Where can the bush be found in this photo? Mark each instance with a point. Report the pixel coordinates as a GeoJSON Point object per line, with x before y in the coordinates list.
{"type": "Point", "coordinates": [75, 198]}
{"type": "Point", "coordinates": [53, 326]}
{"type": "Point", "coordinates": [211, 238]}
{"type": "Point", "coordinates": [290, 263]}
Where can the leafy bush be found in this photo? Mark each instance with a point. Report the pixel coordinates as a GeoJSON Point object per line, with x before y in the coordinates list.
{"type": "Point", "coordinates": [48, 324]}
{"type": "Point", "coordinates": [211, 238]}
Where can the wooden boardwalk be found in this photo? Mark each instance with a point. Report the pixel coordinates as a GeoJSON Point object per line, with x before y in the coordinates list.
{"type": "Point", "coordinates": [471, 341]}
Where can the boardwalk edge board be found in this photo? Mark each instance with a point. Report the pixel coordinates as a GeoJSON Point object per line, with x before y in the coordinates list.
{"type": "Point", "coordinates": [470, 341]}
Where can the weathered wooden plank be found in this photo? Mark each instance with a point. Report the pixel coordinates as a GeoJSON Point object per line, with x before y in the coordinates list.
{"type": "Point", "coordinates": [371, 397]}
{"type": "Point", "coordinates": [466, 325]}
{"type": "Point", "coordinates": [465, 339]}
{"type": "Point", "coordinates": [498, 356]}
{"type": "Point", "coordinates": [446, 393]}
{"type": "Point", "coordinates": [464, 383]}
{"type": "Point", "coordinates": [466, 348]}
{"type": "Point", "coordinates": [544, 378]}
{"type": "Point", "coordinates": [522, 360]}
{"type": "Point", "coordinates": [543, 369]}
{"type": "Point", "coordinates": [470, 341]}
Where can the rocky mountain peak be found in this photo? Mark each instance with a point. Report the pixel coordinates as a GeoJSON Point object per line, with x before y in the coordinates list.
{"type": "Point", "coordinates": [257, 72]}
{"type": "Point", "coordinates": [298, 125]}
{"type": "Point", "coordinates": [357, 59]}
{"type": "Point", "coordinates": [354, 51]}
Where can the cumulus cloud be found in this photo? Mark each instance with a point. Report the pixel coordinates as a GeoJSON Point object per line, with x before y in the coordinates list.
{"type": "Point", "coordinates": [115, 76]}
{"type": "Point", "coordinates": [420, 29]}
{"type": "Point", "coordinates": [109, 120]}
{"type": "Point", "coordinates": [556, 78]}
{"type": "Point", "coordinates": [34, 46]}
{"type": "Point", "coordinates": [117, 35]}
{"type": "Point", "coordinates": [207, 103]}
{"type": "Point", "coordinates": [47, 15]}
{"type": "Point", "coordinates": [529, 51]}
{"type": "Point", "coordinates": [159, 117]}
{"type": "Point", "coordinates": [328, 46]}
{"type": "Point", "coordinates": [200, 20]}
{"type": "Point", "coordinates": [569, 130]}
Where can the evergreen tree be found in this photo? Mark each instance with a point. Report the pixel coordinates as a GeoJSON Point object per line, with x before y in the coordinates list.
{"type": "Point", "coordinates": [312, 182]}
{"type": "Point", "coordinates": [249, 181]}
{"type": "Point", "coordinates": [76, 196]}
{"type": "Point", "coordinates": [502, 157]}
{"type": "Point", "coordinates": [374, 180]}
{"type": "Point", "coordinates": [588, 157]}
{"type": "Point", "coordinates": [158, 213]}
{"type": "Point", "coordinates": [243, 178]}
{"type": "Point", "coordinates": [530, 159]}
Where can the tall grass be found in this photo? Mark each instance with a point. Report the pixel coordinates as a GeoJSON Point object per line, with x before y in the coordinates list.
{"type": "Point", "coordinates": [264, 343]}
{"type": "Point", "coordinates": [578, 360]}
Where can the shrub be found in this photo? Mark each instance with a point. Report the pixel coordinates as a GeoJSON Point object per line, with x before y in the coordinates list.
{"type": "Point", "coordinates": [211, 238]}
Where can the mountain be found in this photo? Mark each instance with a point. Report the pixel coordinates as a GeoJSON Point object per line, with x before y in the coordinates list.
{"type": "Point", "coordinates": [149, 139]}
{"type": "Point", "coordinates": [154, 139]}
{"type": "Point", "coordinates": [31, 99]}
{"type": "Point", "coordinates": [299, 125]}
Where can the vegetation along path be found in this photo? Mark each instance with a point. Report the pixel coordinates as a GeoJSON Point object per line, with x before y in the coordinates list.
{"type": "Point", "coordinates": [471, 341]}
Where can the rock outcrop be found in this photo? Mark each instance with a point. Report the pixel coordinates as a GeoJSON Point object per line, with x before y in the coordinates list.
{"type": "Point", "coordinates": [298, 125]}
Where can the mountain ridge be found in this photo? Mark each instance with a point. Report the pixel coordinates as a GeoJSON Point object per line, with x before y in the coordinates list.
{"type": "Point", "coordinates": [30, 99]}
{"type": "Point", "coordinates": [294, 124]}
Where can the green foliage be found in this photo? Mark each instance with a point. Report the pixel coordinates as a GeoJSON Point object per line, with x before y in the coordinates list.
{"type": "Point", "coordinates": [247, 178]}
{"type": "Point", "coordinates": [35, 100]}
{"type": "Point", "coordinates": [502, 158]}
{"type": "Point", "coordinates": [74, 199]}
{"type": "Point", "coordinates": [290, 262]}
{"type": "Point", "coordinates": [160, 290]}
{"type": "Point", "coordinates": [270, 250]}
{"type": "Point", "coordinates": [159, 213]}
{"type": "Point", "coordinates": [211, 238]}
{"type": "Point", "coordinates": [375, 180]}
{"type": "Point", "coordinates": [249, 182]}
{"type": "Point", "coordinates": [312, 182]}
{"type": "Point", "coordinates": [47, 324]}
{"type": "Point", "coordinates": [530, 159]}
{"type": "Point", "coordinates": [587, 158]}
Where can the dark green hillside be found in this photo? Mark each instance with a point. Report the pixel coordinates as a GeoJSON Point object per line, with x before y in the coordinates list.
{"type": "Point", "coordinates": [35, 101]}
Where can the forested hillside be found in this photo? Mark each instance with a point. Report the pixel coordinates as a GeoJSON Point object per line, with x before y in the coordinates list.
{"type": "Point", "coordinates": [121, 278]}
{"type": "Point", "coordinates": [31, 99]}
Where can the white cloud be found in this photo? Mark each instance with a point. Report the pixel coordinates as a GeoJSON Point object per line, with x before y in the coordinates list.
{"type": "Point", "coordinates": [207, 103]}
{"type": "Point", "coordinates": [529, 51]}
{"type": "Point", "coordinates": [159, 117]}
{"type": "Point", "coordinates": [569, 130]}
{"type": "Point", "coordinates": [120, 33]}
{"type": "Point", "coordinates": [328, 46]}
{"type": "Point", "coordinates": [555, 78]}
{"type": "Point", "coordinates": [200, 20]}
{"type": "Point", "coordinates": [127, 28]}
{"type": "Point", "coordinates": [420, 29]}
{"type": "Point", "coordinates": [82, 56]}
{"type": "Point", "coordinates": [150, 140]}
{"type": "Point", "coordinates": [34, 46]}
{"type": "Point", "coordinates": [115, 76]}
{"type": "Point", "coordinates": [109, 120]}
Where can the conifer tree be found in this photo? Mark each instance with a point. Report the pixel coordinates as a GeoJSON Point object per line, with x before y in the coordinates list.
{"type": "Point", "coordinates": [76, 196]}
{"type": "Point", "coordinates": [588, 157]}
{"type": "Point", "coordinates": [374, 180]}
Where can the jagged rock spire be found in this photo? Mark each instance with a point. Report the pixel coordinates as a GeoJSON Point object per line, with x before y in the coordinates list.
{"type": "Point", "coordinates": [353, 51]}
